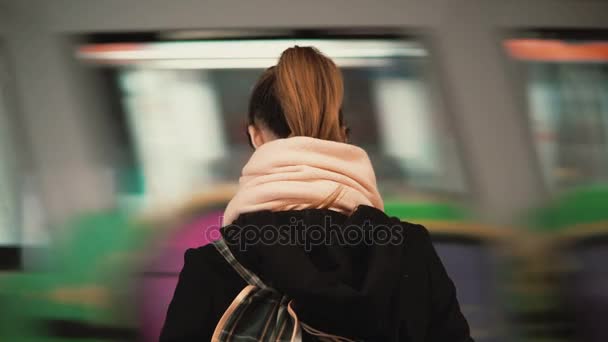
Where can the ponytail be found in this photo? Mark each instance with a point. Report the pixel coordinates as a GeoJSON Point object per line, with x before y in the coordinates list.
{"type": "Point", "coordinates": [310, 90]}
{"type": "Point", "coordinates": [300, 96]}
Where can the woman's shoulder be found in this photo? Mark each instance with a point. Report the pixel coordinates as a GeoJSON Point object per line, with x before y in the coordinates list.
{"type": "Point", "coordinates": [206, 255]}
{"type": "Point", "coordinates": [202, 253]}
{"type": "Point", "coordinates": [416, 238]}
{"type": "Point", "coordinates": [416, 231]}
{"type": "Point", "coordinates": [206, 259]}
{"type": "Point", "coordinates": [206, 287]}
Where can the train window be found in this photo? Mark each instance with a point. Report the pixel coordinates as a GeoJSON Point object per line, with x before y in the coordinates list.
{"type": "Point", "coordinates": [186, 108]}
{"type": "Point", "coordinates": [567, 94]}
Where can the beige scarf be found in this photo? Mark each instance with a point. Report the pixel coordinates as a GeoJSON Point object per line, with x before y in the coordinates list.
{"type": "Point", "coordinates": [299, 172]}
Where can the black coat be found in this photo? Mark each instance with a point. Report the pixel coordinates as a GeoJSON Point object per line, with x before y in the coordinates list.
{"type": "Point", "coordinates": [372, 291]}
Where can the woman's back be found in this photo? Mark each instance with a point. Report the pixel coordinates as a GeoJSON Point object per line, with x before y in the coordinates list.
{"type": "Point", "coordinates": [307, 252]}
{"type": "Point", "coordinates": [363, 277]}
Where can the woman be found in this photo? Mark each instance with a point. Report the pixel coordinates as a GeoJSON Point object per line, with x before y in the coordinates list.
{"type": "Point", "coordinates": [307, 253]}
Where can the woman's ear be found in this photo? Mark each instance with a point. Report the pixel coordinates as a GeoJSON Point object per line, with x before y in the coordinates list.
{"type": "Point", "coordinates": [259, 135]}
{"type": "Point", "coordinates": [255, 136]}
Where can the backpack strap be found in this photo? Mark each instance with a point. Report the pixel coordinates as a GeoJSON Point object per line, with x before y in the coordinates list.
{"type": "Point", "coordinates": [246, 274]}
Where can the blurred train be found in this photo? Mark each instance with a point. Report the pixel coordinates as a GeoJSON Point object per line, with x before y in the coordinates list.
{"type": "Point", "coordinates": [123, 136]}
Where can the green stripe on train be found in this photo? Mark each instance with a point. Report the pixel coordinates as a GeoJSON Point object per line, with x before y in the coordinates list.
{"type": "Point", "coordinates": [579, 206]}
{"type": "Point", "coordinates": [426, 211]}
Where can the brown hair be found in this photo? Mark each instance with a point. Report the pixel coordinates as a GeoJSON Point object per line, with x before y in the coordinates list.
{"type": "Point", "coordinates": [300, 96]}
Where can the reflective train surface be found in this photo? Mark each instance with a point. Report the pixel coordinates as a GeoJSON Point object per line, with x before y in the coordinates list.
{"type": "Point", "coordinates": [122, 137]}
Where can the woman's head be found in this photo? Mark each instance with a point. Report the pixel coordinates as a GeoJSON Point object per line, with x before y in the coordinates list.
{"type": "Point", "coordinates": [300, 96]}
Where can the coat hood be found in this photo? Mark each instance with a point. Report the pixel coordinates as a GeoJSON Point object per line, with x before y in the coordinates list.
{"type": "Point", "coordinates": [342, 271]}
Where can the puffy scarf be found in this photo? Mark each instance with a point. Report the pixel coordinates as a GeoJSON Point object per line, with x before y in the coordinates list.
{"type": "Point", "coordinates": [301, 172]}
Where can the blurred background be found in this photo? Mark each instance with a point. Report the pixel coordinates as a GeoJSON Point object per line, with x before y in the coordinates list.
{"type": "Point", "coordinates": [122, 136]}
